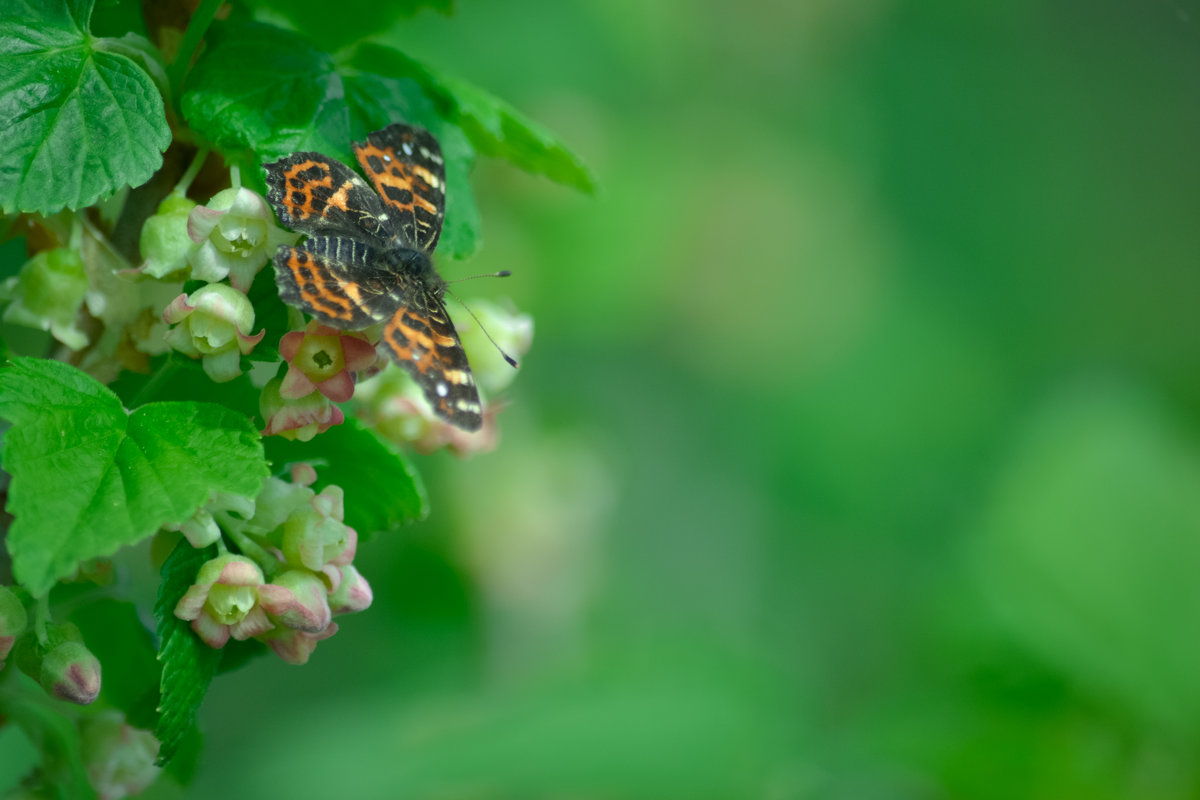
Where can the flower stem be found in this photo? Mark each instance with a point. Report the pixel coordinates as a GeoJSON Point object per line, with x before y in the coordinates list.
{"type": "Point", "coordinates": [196, 29]}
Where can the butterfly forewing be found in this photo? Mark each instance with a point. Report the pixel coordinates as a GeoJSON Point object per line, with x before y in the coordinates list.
{"type": "Point", "coordinates": [405, 165]}
{"type": "Point", "coordinates": [318, 195]}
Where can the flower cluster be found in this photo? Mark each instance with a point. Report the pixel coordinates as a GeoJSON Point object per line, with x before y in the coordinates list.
{"type": "Point", "coordinates": [322, 364]}
{"type": "Point", "coordinates": [297, 537]}
{"type": "Point", "coordinates": [233, 237]}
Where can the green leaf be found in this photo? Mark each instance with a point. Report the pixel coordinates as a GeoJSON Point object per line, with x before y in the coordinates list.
{"type": "Point", "coordinates": [354, 19]}
{"type": "Point", "coordinates": [188, 664]}
{"type": "Point", "coordinates": [262, 88]}
{"type": "Point", "coordinates": [383, 488]}
{"type": "Point", "coordinates": [82, 119]}
{"type": "Point", "coordinates": [88, 477]}
{"type": "Point", "coordinates": [495, 128]}
{"type": "Point", "coordinates": [115, 635]}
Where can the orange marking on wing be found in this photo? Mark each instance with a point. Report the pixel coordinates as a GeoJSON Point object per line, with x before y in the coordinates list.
{"type": "Point", "coordinates": [304, 210]}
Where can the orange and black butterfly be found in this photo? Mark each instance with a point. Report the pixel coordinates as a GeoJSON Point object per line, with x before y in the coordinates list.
{"type": "Point", "coordinates": [367, 257]}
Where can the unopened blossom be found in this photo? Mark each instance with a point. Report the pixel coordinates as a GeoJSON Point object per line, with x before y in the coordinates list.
{"type": "Point", "coordinates": [224, 601]}
{"type": "Point", "coordinates": [296, 599]}
{"type": "Point", "coordinates": [165, 242]}
{"type": "Point", "coordinates": [352, 594]}
{"type": "Point", "coordinates": [48, 294]}
{"type": "Point", "coordinates": [323, 359]}
{"type": "Point", "coordinates": [236, 235]}
{"type": "Point", "coordinates": [300, 419]}
{"type": "Point", "coordinates": [70, 671]}
{"type": "Point", "coordinates": [119, 758]}
{"type": "Point", "coordinates": [213, 324]}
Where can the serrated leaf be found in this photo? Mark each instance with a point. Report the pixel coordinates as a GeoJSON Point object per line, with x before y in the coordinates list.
{"type": "Point", "coordinates": [495, 128]}
{"type": "Point", "coordinates": [263, 88]}
{"type": "Point", "coordinates": [383, 489]}
{"type": "Point", "coordinates": [188, 664]}
{"type": "Point", "coordinates": [82, 121]}
{"type": "Point", "coordinates": [88, 477]}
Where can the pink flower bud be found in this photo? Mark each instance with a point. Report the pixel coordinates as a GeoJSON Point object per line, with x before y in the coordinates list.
{"type": "Point", "coordinates": [353, 593]}
{"type": "Point", "coordinates": [70, 672]}
{"type": "Point", "coordinates": [118, 757]}
{"type": "Point", "coordinates": [297, 599]}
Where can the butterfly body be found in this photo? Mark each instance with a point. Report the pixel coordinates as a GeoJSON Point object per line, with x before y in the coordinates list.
{"type": "Point", "coordinates": [368, 256]}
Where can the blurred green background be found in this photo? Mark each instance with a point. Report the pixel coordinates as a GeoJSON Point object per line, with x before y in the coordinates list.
{"type": "Point", "coordinates": [857, 453]}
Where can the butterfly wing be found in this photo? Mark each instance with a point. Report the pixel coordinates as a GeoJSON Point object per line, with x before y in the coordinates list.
{"type": "Point", "coordinates": [421, 338]}
{"type": "Point", "coordinates": [321, 196]}
{"type": "Point", "coordinates": [332, 279]}
{"type": "Point", "coordinates": [405, 165]}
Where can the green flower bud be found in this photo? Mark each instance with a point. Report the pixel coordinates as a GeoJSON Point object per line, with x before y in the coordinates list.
{"type": "Point", "coordinates": [165, 242]}
{"type": "Point", "coordinates": [48, 294]}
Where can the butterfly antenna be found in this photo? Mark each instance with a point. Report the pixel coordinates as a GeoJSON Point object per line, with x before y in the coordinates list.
{"type": "Point", "coordinates": [504, 273]}
{"type": "Point", "coordinates": [512, 362]}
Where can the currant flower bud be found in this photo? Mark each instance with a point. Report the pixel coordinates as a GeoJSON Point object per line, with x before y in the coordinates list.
{"type": "Point", "coordinates": [12, 621]}
{"type": "Point", "coordinates": [353, 593]}
{"type": "Point", "coordinates": [224, 601]}
{"type": "Point", "coordinates": [236, 236]}
{"type": "Point", "coordinates": [297, 599]}
{"type": "Point", "coordinates": [321, 358]}
{"type": "Point", "coordinates": [212, 324]}
{"type": "Point", "coordinates": [165, 242]}
{"type": "Point", "coordinates": [300, 419]}
{"type": "Point", "coordinates": [294, 646]}
{"type": "Point", "coordinates": [68, 670]}
{"type": "Point", "coordinates": [48, 293]}
{"type": "Point", "coordinates": [118, 757]}
{"type": "Point", "coordinates": [512, 332]}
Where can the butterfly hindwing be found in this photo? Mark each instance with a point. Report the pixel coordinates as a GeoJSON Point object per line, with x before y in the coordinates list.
{"type": "Point", "coordinates": [421, 338]}
{"type": "Point", "coordinates": [331, 278]}
{"type": "Point", "coordinates": [318, 195]}
{"type": "Point", "coordinates": [405, 165]}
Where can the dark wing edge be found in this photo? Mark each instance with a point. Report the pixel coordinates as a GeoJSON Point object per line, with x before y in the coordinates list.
{"type": "Point", "coordinates": [421, 338]}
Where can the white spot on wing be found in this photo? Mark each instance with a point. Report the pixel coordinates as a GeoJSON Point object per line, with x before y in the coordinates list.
{"type": "Point", "coordinates": [407, 148]}
{"type": "Point", "coordinates": [442, 391]}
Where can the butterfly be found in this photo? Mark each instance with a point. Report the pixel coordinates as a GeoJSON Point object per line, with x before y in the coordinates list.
{"type": "Point", "coordinates": [368, 256]}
